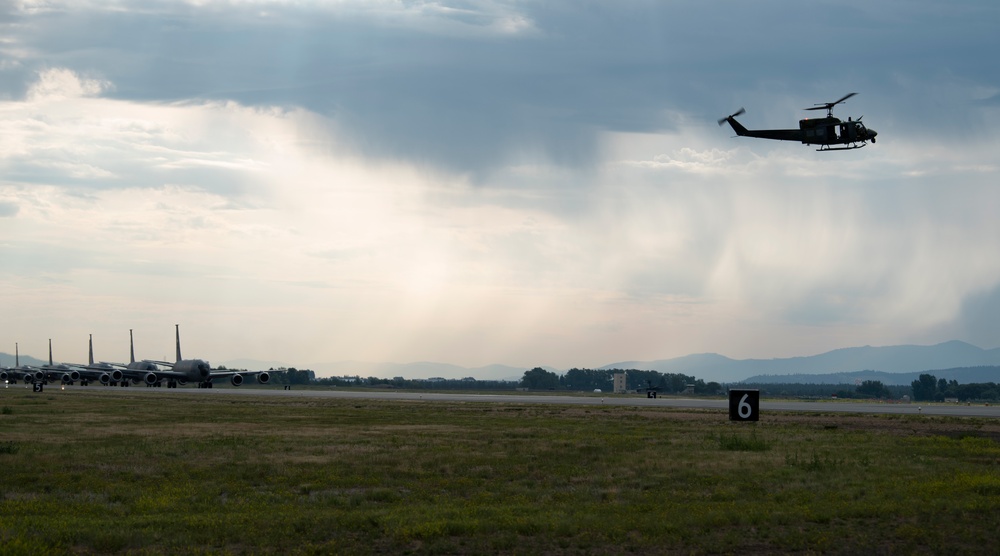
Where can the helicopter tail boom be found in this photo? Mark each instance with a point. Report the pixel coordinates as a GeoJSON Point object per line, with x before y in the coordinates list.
{"type": "Point", "coordinates": [778, 134]}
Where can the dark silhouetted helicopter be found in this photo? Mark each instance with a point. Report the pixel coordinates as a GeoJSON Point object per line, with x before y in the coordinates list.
{"type": "Point", "coordinates": [826, 132]}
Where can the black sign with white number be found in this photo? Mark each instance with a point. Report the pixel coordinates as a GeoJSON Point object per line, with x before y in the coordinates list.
{"type": "Point", "coordinates": [744, 405]}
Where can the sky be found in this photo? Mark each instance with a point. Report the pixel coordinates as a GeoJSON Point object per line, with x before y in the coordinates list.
{"type": "Point", "coordinates": [516, 182]}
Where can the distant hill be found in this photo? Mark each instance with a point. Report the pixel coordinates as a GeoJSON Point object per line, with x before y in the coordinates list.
{"type": "Point", "coordinates": [7, 360]}
{"type": "Point", "coordinates": [889, 359]}
{"type": "Point", "coordinates": [963, 375]}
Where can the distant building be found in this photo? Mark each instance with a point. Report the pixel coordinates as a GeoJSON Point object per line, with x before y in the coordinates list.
{"type": "Point", "coordinates": [619, 383]}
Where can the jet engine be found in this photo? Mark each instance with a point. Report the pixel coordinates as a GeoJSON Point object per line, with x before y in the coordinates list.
{"type": "Point", "coordinates": [263, 378]}
{"type": "Point", "coordinates": [236, 379]}
{"type": "Point", "coordinates": [66, 378]}
{"type": "Point", "coordinates": [3, 376]}
{"type": "Point", "coordinates": [105, 379]}
{"type": "Point", "coordinates": [117, 376]}
{"type": "Point", "coordinates": [149, 378]}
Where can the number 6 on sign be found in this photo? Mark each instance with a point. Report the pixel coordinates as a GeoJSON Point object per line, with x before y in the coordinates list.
{"type": "Point", "coordinates": [744, 405]}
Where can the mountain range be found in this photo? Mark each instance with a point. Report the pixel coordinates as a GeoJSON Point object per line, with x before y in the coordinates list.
{"type": "Point", "coordinates": [888, 359]}
{"type": "Point", "coordinates": [954, 360]}
{"type": "Point", "coordinates": [840, 366]}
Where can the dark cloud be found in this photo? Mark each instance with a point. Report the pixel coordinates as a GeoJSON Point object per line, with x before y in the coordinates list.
{"type": "Point", "coordinates": [978, 320]}
{"type": "Point", "coordinates": [463, 96]}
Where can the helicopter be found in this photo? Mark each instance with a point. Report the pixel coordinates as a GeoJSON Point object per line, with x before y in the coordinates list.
{"type": "Point", "coordinates": [826, 132]}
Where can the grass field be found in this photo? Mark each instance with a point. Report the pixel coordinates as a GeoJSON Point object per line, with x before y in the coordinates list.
{"type": "Point", "coordinates": [98, 471]}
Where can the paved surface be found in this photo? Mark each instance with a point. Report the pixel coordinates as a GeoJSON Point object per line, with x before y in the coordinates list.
{"type": "Point", "coordinates": [956, 410]}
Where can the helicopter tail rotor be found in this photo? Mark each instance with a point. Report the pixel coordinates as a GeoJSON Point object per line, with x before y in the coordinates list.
{"type": "Point", "coordinates": [726, 119]}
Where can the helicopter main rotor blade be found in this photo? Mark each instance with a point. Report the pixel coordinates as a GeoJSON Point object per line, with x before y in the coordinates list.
{"type": "Point", "coordinates": [847, 96]}
{"type": "Point", "coordinates": [830, 105]}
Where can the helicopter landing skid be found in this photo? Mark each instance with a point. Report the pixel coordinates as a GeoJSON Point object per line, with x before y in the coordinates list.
{"type": "Point", "coordinates": [825, 148]}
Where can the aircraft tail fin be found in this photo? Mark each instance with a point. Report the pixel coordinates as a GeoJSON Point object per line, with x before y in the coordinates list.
{"type": "Point", "coordinates": [91, 349]}
{"type": "Point", "coordinates": [131, 347]}
{"type": "Point", "coordinates": [17, 356]}
{"type": "Point", "coordinates": [177, 327]}
{"type": "Point", "coordinates": [50, 352]}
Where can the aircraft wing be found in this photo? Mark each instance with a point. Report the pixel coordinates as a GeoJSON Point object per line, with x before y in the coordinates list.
{"type": "Point", "coordinates": [164, 363]}
{"type": "Point", "coordinates": [150, 376]}
{"type": "Point", "coordinates": [169, 375]}
{"type": "Point", "coordinates": [237, 377]}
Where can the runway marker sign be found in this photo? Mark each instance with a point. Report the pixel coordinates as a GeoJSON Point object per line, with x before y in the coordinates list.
{"type": "Point", "coordinates": [744, 405]}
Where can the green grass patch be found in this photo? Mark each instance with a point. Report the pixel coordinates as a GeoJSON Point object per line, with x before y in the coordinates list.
{"type": "Point", "coordinates": [96, 471]}
{"type": "Point", "coordinates": [736, 442]}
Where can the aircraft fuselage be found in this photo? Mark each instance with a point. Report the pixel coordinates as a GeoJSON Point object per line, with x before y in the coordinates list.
{"type": "Point", "coordinates": [196, 370]}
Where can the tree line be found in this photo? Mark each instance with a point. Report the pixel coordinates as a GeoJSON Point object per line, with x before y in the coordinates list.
{"type": "Point", "coordinates": [588, 380]}
{"type": "Point", "coordinates": [869, 389]}
{"type": "Point", "coordinates": [927, 387]}
{"type": "Point", "coordinates": [294, 376]}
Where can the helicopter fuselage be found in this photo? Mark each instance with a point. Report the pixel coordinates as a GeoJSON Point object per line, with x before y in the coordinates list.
{"type": "Point", "coordinates": [828, 132]}
{"type": "Point", "coordinates": [825, 132]}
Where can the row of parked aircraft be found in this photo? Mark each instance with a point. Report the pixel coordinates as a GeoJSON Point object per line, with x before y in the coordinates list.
{"type": "Point", "coordinates": [180, 372]}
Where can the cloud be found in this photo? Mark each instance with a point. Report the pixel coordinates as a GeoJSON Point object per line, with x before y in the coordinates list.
{"type": "Point", "coordinates": [977, 320]}
{"type": "Point", "coordinates": [499, 181]}
{"type": "Point", "coordinates": [8, 209]}
{"type": "Point", "coordinates": [478, 87]}
{"type": "Point", "coordinates": [248, 211]}
{"type": "Point", "coordinates": [61, 83]}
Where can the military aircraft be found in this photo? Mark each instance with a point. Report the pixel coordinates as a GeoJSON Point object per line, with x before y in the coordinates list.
{"type": "Point", "coordinates": [62, 373]}
{"type": "Point", "coordinates": [138, 371]}
{"type": "Point", "coordinates": [105, 373]}
{"type": "Point", "coordinates": [18, 372]}
{"type": "Point", "coordinates": [826, 132]}
{"type": "Point", "coordinates": [183, 371]}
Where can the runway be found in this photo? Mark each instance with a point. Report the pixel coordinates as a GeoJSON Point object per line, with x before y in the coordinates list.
{"type": "Point", "coordinates": [831, 406]}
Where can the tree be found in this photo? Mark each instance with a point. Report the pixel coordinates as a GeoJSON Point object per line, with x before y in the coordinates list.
{"type": "Point", "coordinates": [585, 380]}
{"type": "Point", "coordinates": [924, 388]}
{"type": "Point", "coordinates": [540, 379]}
{"type": "Point", "coordinates": [295, 376]}
{"type": "Point", "coordinates": [874, 389]}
